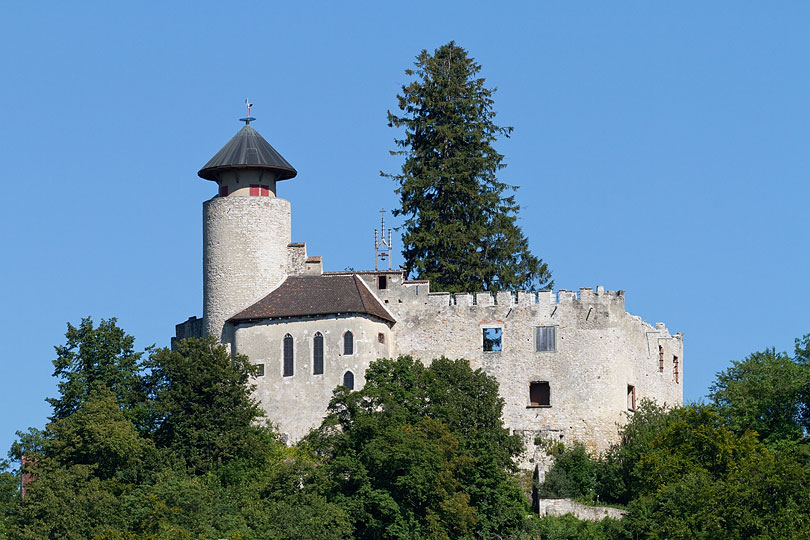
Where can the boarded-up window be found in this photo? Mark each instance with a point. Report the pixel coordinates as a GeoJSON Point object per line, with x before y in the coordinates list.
{"type": "Point", "coordinates": [539, 394]}
{"type": "Point", "coordinates": [492, 339]}
{"type": "Point", "coordinates": [348, 343]}
{"type": "Point", "coordinates": [317, 354]}
{"type": "Point", "coordinates": [631, 397]}
{"type": "Point", "coordinates": [545, 338]}
{"type": "Point", "coordinates": [288, 355]}
{"type": "Point", "coordinates": [348, 380]}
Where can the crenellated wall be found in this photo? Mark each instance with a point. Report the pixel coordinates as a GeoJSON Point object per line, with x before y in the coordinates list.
{"type": "Point", "coordinates": [602, 356]}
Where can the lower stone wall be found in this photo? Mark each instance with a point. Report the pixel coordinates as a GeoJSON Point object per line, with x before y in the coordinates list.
{"type": "Point", "coordinates": [560, 507]}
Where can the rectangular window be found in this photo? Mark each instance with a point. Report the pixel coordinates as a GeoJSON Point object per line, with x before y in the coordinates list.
{"type": "Point", "coordinates": [260, 370]}
{"type": "Point", "coordinates": [223, 191]}
{"type": "Point", "coordinates": [254, 190]}
{"type": "Point", "coordinates": [631, 397]}
{"type": "Point", "coordinates": [492, 339]}
{"type": "Point", "coordinates": [545, 338]}
{"type": "Point", "coordinates": [382, 282]}
{"type": "Point", "coordinates": [265, 191]}
{"type": "Point", "coordinates": [539, 394]}
{"type": "Point", "coordinates": [660, 359]}
{"type": "Point", "coordinates": [381, 337]}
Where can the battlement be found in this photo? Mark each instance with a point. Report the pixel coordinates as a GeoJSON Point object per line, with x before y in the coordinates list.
{"type": "Point", "coordinates": [597, 295]}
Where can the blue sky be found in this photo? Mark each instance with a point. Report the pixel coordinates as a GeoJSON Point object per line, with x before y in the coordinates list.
{"type": "Point", "coordinates": [660, 148]}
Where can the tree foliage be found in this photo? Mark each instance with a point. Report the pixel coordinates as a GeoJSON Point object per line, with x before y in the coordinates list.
{"type": "Point", "coordinates": [767, 392]}
{"type": "Point", "coordinates": [460, 229]}
{"type": "Point", "coordinates": [95, 356]}
{"type": "Point", "coordinates": [421, 452]}
{"type": "Point", "coordinates": [200, 408]}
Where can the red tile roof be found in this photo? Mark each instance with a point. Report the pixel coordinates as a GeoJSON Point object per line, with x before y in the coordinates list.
{"type": "Point", "coordinates": [300, 296]}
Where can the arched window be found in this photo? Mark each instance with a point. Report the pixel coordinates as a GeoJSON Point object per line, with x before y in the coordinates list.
{"type": "Point", "coordinates": [288, 355]}
{"type": "Point", "coordinates": [348, 380]}
{"type": "Point", "coordinates": [317, 354]}
{"type": "Point", "coordinates": [348, 343]}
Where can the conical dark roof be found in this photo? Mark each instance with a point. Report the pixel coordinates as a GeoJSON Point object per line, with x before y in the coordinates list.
{"type": "Point", "coordinates": [247, 150]}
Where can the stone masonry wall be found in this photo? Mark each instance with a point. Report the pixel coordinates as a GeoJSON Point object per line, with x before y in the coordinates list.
{"type": "Point", "coordinates": [245, 256]}
{"type": "Point", "coordinates": [297, 403]}
{"type": "Point", "coordinates": [601, 352]}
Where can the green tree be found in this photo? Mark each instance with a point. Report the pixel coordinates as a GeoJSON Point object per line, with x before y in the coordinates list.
{"type": "Point", "coordinates": [769, 393]}
{"type": "Point", "coordinates": [460, 230]}
{"type": "Point", "coordinates": [201, 406]}
{"type": "Point", "coordinates": [421, 452]}
{"type": "Point", "coordinates": [95, 356]}
{"type": "Point", "coordinates": [99, 436]}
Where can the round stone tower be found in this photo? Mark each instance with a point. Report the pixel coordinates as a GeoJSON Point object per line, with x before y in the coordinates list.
{"type": "Point", "coordinates": [246, 229]}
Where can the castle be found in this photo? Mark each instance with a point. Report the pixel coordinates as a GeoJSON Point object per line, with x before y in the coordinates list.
{"type": "Point", "coordinates": [570, 365]}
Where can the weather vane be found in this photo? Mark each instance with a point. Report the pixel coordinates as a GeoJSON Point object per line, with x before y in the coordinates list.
{"type": "Point", "coordinates": [248, 119]}
{"type": "Point", "coordinates": [385, 252]}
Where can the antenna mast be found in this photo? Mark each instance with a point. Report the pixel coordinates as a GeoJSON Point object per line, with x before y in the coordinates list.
{"type": "Point", "coordinates": [380, 242]}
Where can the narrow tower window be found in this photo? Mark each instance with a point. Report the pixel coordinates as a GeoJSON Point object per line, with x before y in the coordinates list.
{"type": "Point", "coordinates": [348, 343]}
{"type": "Point", "coordinates": [288, 355]}
{"type": "Point", "coordinates": [317, 354]}
{"type": "Point", "coordinates": [660, 359]}
{"type": "Point", "coordinates": [348, 380]}
{"type": "Point", "coordinates": [631, 397]}
{"type": "Point", "coordinates": [382, 282]}
{"type": "Point", "coordinates": [223, 191]}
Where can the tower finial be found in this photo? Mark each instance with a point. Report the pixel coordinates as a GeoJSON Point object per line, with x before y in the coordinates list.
{"type": "Point", "coordinates": [248, 119]}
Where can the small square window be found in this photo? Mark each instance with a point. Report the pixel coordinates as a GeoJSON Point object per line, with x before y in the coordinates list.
{"type": "Point", "coordinates": [223, 191]}
{"type": "Point", "coordinates": [631, 397]}
{"type": "Point", "coordinates": [380, 338]}
{"type": "Point", "coordinates": [545, 338]}
{"type": "Point", "coordinates": [264, 191]}
{"type": "Point", "coordinates": [260, 370]}
{"type": "Point", "coordinates": [382, 282]}
{"type": "Point", "coordinates": [539, 394]}
{"type": "Point", "coordinates": [492, 339]}
{"type": "Point", "coordinates": [254, 190]}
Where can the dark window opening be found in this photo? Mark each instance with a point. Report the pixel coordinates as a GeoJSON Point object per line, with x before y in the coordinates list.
{"type": "Point", "coordinates": [382, 282]}
{"type": "Point", "coordinates": [260, 370]}
{"type": "Point", "coordinates": [317, 354]}
{"type": "Point", "coordinates": [676, 370]}
{"type": "Point", "coordinates": [381, 338]}
{"type": "Point", "coordinates": [539, 394]}
{"type": "Point", "coordinates": [348, 343]}
{"type": "Point", "coordinates": [348, 380]}
{"type": "Point", "coordinates": [288, 356]}
{"type": "Point", "coordinates": [660, 359]}
{"type": "Point", "coordinates": [545, 338]}
{"type": "Point", "coordinates": [223, 191]}
{"type": "Point", "coordinates": [631, 397]}
{"type": "Point", "coordinates": [492, 339]}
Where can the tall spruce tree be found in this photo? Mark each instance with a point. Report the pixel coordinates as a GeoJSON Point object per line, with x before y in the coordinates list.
{"type": "Point", "coordinates": [460, 230]}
